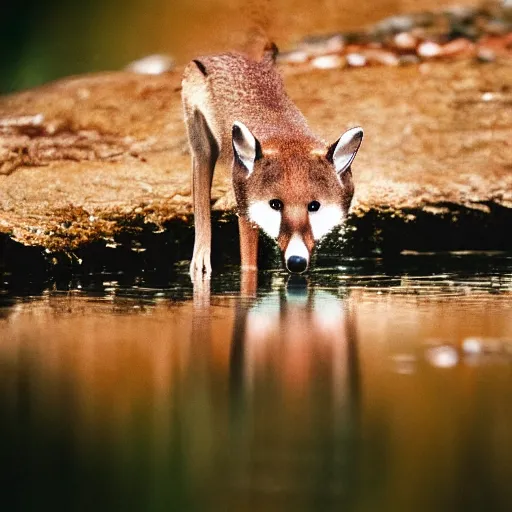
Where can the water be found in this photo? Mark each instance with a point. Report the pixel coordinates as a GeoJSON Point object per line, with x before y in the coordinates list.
{"type": "Point", "coordinates": [369, 386]}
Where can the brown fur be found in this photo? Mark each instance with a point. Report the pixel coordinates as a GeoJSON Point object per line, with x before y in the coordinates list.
{"type": "Point", "coordinates": [294, 165]}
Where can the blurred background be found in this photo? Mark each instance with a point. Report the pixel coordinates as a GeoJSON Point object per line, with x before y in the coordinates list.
{"type": "Point", "coordinates": [42, 41]}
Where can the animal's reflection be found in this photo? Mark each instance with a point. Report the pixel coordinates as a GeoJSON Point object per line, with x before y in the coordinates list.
{"type": "Point", "coordinates": [302, 333]}
{"type": "Point", "coordinates": [299, 332]}
{"type": "Point", "coordinates": [294, 351]}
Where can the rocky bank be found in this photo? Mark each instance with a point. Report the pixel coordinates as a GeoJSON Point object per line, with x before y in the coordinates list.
{"type": "Point", "coordinates": [94, 170]}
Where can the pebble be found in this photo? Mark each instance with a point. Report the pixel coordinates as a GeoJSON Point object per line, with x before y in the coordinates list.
{"type": "Point", "coordinates": [458, 47]}
{"type": "Point", "coordinates": [356, 60]}
{"type": "Point", "coordinates": [381, 57]}
{"type": "Point", "coordinates": [405, 41]}
{"type": "Point", "coordinates": [328, 62]}
{"type": "Point", "coordinates": [411, 39]}
{"type": "Point", "coordinates": [486, 55]}
{"type": "Point", "coordinates": [429, 49]}
{"type": "Point", "coordinates": [294, 57]}
{"type": "Point", "coordinates": [152, 65]}
{"type": "Point", "coordinates": [442, 356]}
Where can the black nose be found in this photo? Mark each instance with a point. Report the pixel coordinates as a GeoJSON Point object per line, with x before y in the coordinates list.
{"type": "Point", "coordinates": [296, 264]}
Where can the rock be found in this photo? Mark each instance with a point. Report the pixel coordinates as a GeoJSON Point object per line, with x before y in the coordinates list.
{"type": "Point", "coordinates": [405, 41]}
{"type": "Point", "coordinates": [429, 49]}
{"type": "Point", "coordinates": [152, 65]}
{"type": "Point", "coordinates": [386, 58]}
{"type": "Point", "coordinates": [110, 145]}
{"type": "Point", "coordinates": [486, 55]}
{"type": "Point", "coordinates": [328, 62]}
{"type": "Point", "coordinates": [356, 60]}
{"type": "Point", "coordinates": [458, 47]}
{"type": "Point", "coordinates": [294, 57]}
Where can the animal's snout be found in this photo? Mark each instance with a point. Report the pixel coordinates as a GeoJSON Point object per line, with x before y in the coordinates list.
{"type": "Point", "coordinates": [296, 264]}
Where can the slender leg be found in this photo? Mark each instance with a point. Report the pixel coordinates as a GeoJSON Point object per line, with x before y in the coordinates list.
{"type": "Point", "coordinates": [205, 152]}
{"type": "Point", "coordinates": [249, 234]}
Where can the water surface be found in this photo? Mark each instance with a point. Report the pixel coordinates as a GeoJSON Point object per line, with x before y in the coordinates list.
{"type": "Point", "coordinates": [367, 386]}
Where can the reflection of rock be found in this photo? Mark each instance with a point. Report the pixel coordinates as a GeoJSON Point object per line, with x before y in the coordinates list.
{"type": "Point", "coordinates": [151, 65]}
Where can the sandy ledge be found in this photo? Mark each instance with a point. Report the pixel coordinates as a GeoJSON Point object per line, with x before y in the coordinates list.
{"type": "Point", "coordinates": [102, 159]}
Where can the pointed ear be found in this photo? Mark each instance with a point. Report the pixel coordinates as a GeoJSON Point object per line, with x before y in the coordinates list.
{"type": "Point", "coordinates": [343, 152]}
{"type": "Point", "coordinates": [245, 145]}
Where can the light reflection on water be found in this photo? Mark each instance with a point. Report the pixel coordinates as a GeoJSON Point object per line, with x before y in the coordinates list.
{"type": "Point", "coordinates": [361, 388]}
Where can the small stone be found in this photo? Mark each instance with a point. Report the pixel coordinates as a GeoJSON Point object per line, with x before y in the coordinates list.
{"type": "Point", "coordinates": [442, 357]}
{"type": "Point", "coordinates": [151, 65]}
{"type": "Point", "coordinates": [458, 47]}
{"type": "Point", "coordinates": [472, 346]}
{"type": "Point", "coordinates": [381, 57]}
{"type": "Point", "coordinates": [429, 49]}
{"type": "Point", "coordinates": [486, 55]}
{"type": "Point", "coordinates": [487, 96]}
{"type": "Point", "coordinates": [328, 62]}
{"type": "Point", "coordinates": [405, 41]}
{"type": "Point", "coordinates": [356, 60]}
{"type": "Point", "coordinates": [295, 57]}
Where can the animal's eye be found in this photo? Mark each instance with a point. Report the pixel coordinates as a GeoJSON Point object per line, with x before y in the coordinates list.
{"type": "Point", "coordinates": [276, 204]}
{"type": "Point", "coordinates": [314, 206]}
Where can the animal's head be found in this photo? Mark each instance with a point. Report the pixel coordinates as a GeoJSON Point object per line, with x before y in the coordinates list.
{"type": "Point", "coordinates": [295, 191]}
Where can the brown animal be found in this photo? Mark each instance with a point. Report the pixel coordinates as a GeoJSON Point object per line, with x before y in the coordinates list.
{"type": "Point", "coordinates": [287, 181]}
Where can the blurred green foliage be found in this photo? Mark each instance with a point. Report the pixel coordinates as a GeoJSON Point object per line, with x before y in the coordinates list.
{"type": "Point", "coordinates": [43, 40]}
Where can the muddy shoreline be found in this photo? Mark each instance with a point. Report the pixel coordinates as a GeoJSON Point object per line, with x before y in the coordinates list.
{"type": "Point", "coordinates": [94, 169]}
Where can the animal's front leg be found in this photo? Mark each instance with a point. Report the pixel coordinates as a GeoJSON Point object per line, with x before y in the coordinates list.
{"type": "Point", "coordinates": [249, 235]}
{"type": "Point", "coordinates": [201, 182]}
{"type": "Point", "coordinates": [205, 152]}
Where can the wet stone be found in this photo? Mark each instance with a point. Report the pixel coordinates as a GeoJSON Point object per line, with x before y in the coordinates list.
{"type": "Point", "coordinates": [152, 65]}
{"type": "Point", "coordinates": [328, 62]}
{"type": "Point", "coordinates": [383, 57]}
{"type": "Point", "coordinates": [356, 60]}
{"type": "Point", "coordinates": [486, 55]}
{"type": "Point", "coordinates": [293, 57]}
{"type": "Point", "coordinates": [458, 47]}
{"type": "Point", "coordinates": [429, 49]}
{"type": "Point", "coordinates": [405, 41]}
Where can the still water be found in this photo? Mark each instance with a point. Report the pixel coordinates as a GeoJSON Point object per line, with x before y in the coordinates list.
{"type": "Point", "coordinates": [366, 386]}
